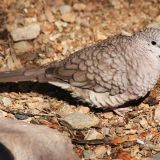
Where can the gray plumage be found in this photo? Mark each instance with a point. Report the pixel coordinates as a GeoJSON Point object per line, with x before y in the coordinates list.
{"type": "Point", "coordinates": [106, 74]}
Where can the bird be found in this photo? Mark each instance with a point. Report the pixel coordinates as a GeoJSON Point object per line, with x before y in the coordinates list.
{"type": "Point", "coordinates": [106, 74]}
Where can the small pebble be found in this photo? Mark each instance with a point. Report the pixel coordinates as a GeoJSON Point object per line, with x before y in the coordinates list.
{"type": "Point", "coordinates": [3, 114]}
{"type": "Point", "coordinates": [65, 110]}
{"type": "Point", "coordinates": [21, 116]}
{"type": "Point", "coordinates": [69, 17]}
{"type": "Point", "coordinates": [100, 35]}
{"type": "Point", "coordinates": [82, 109]}
{"type": "Point", "coordinates": [88, 154]}
{"type": "Point", "coordinates": [108, 115]}
{"type": "Point", "coordinates": [79, 6]}
{"type": "Point", "coordinates": [54, 36]}
{"type": "Point", "coordinates": [60, 25]}
{"type": "Point", "coordinates": [100, 151]}
{"type": "Point", "coordinates": [25, 33]}
{"type": "Point", "coordinates": [47, 28]}
{"type": "Point", "coordinates": [93, 134]}
{"type": "Point", "coordinates": [143, 122]}
{"type": "Point", "coordinates": [157, 114]}
{"type": "Point", "coordinates": [6, 101]}
{"type": "Point", "coordinates": [22, 47]}
{"type": "Point", "coordinates": [81, 121]}
{"type": "Point", "coordinates": [105, 131]}
{"type": "Point", "coordinates": [65, 9]}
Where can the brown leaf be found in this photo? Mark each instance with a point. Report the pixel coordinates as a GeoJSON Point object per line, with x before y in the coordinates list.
{"type": "Point", "coordinates": [53, 125]}
{"type": "Point", "coordinates": [122, 155]}
{"type": "Point", "coordinates": [119, 140]}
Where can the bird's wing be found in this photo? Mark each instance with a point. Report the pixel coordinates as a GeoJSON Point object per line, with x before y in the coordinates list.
{"type": "Point", "coordinates": [99, 68]}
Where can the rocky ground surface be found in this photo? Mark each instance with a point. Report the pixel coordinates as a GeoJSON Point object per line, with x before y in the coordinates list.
{"type": "Point", "coordinates": [36, 32]}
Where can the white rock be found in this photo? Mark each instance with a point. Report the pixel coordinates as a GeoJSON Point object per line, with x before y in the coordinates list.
{"type": "Point", "coordinates": [25, 33]}
{"type": "Point", "coordinates": [6, 101]}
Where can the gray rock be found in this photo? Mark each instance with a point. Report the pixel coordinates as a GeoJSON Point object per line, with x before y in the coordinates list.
{"type": "Point", "coordinates": [25, 33]}
{"type": "Point", "coordinates": [22, 141]}
{"type": "Point", "coordinates": [156, 157]}
{"type": "Point", "coordinates": [80, 121]}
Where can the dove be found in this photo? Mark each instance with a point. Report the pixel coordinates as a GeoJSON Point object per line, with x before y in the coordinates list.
{"type": "Point", "coordinates": [107, 74]}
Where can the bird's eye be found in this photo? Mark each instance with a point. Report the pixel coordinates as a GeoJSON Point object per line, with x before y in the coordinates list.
{"type": "Point", "coordinates": [153, 43]}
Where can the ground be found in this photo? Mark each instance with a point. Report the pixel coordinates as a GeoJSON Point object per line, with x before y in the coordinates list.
{"type": "Point", "coordinates": [57, 28]}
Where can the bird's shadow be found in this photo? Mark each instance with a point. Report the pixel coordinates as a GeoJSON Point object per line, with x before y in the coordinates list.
{"type": "Point", "coordinates": [42, 88]}
{"type": "Point", "coordinates": [55, 92]}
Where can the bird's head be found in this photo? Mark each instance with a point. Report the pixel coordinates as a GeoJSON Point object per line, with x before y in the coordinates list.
{"type": "Point", "coordinates": [150, 39]}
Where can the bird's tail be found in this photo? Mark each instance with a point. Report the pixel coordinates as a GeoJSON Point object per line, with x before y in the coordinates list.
{"type": "Point", "coordinates": [36, 75]}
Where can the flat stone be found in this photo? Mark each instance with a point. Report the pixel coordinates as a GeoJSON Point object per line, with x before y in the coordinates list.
{"type": "Point", "coordinates": [26, 33]}
{"type": "Point", "coordinates": [80, 121]}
